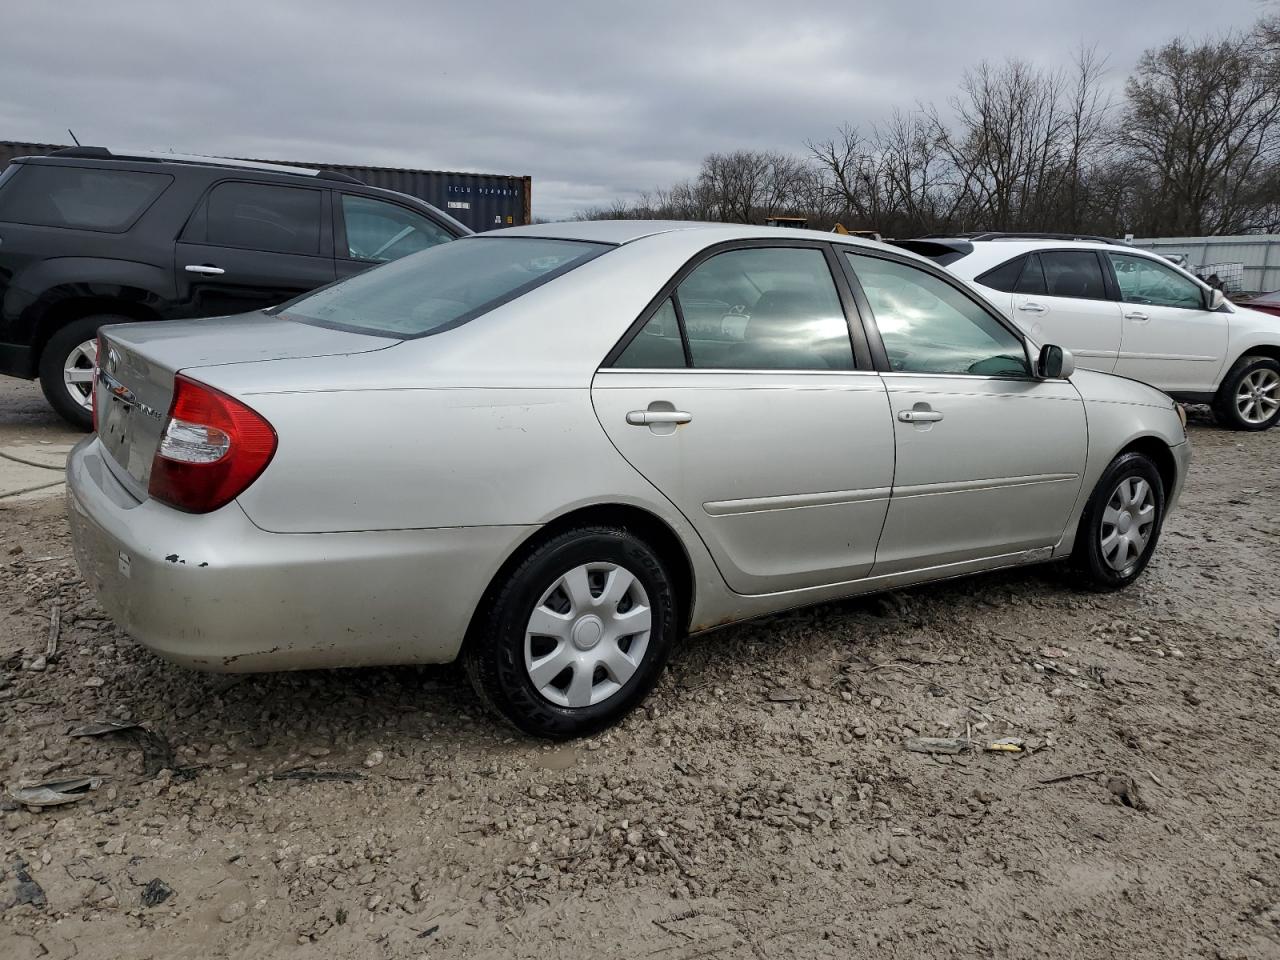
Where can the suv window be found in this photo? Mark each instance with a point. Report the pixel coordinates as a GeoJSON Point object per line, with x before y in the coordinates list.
{"type": "Point", "coordinates": [928, 326]}
{"type": "Point", "coordinates": [765, 308]}
{"type": "Point", "coordinates": [442, 287]}
{"type": "Point", "coordinates": [85, 198]}
{"type": "Point", "coordinates": [1004, 277]}
{"type": "Point", "coordinates": [378, 231]}
{"type": "Point", "coordinates": [262, 216]}
{"type": "Point", "coordinates": [1073, 273]}
{"type": "Point", "coordinates": [658, 345]}
{"type": "Point", "coordinates": [1145, 281]}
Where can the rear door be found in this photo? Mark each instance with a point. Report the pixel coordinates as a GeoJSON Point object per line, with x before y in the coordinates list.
{"type": "Point", "coordinates": [250, 245]}
{"type": "Point", "coordinates": [989, 458]}
{"type": "Point", "coordinates": [1170, 340]}
{"type": "Point", "coordinates": [369, 231]}
{"type": "Point", "coordinates": [740, 397]}
{"type": "Point", "coordinates": [1062, 298]}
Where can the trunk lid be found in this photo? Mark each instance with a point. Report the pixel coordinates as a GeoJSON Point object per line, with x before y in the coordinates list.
{"type": "Point", "coordinates": [136, 372]}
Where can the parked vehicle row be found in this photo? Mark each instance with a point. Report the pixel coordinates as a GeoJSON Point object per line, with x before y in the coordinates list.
{"type": "Point", "coordinates": [1127, 311]}
{"type": "Point", "coordinates": [550, 451]}
{"type": "Point", "coordinates": [89, 238]}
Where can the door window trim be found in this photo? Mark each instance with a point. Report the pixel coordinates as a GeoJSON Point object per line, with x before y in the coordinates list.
{"type": "Point", "coordinates": [873, 330]}
{"type": "Point", "coordinates": [341, 250]}
{"type": "Point", "coordinates": [201, 212]}
{"type": "Point", "coordinates": [862, 355]}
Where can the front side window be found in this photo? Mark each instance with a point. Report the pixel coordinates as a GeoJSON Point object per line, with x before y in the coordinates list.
{"type": "Point", "coordinates": [1144, 281]}
{"type": "Point", "coordinates": [765, 308]}
{"type": "Point", "coordinates": [1073, 273]}
{"type": "Point", "coordinates": [81, 197]}
{"type": "Point", "coordinates": [261, 216]}
{"type": "Point", "coordinates": [378, 231]}
{"type": "Point", "coordinates": [930, 327]}
{"type": "Point", "coordinates": [441, 287]}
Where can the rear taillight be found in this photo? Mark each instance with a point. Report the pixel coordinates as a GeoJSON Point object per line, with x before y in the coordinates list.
{"type": "Point", "coordinates": [212, 449]}
{"type": "Point", "coordinates": [99, 358]}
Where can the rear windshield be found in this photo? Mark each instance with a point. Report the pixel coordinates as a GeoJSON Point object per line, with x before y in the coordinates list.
{"type": "Point", "coordinates": [442, 287]}
{"type": "Point", "coordinates": [85, 198]}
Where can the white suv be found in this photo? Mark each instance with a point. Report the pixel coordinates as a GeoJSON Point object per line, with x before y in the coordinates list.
{"type": "Point", "coordinates": [1122, 310]}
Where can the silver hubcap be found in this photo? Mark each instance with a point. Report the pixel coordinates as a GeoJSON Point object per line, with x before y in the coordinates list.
{"type": "Point", "coordinates": [77, 373]}
{"type": "Point", "coordinates": [1258, 396]}
{"type": "Point", "coordinates": [1128, 522]}
{"type": "Point", "coordinates": [587, 635]}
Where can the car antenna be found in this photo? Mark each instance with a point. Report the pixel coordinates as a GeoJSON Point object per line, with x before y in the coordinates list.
{"type": "Point", "coordinates": [73, 136]}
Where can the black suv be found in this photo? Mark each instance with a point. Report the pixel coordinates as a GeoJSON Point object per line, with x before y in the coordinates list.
{"type": "Point", "coordinates": [88, 237]}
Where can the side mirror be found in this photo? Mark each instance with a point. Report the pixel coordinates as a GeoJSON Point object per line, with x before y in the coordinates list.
{"type": "Point", "coordinates": [1216, 298]}
{"type": "Point", "coordinates": [1055, 363]}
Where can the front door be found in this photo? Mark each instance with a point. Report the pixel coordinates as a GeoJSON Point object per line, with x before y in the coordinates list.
{"type": "Point", "coordinates": [1170, 340]}
{"type": "Point", "coordinates": [253, 245]}
{"type": "Point", "coordinates": [989, 459]}
{"type": "Point", "coordinates": [740, 400]}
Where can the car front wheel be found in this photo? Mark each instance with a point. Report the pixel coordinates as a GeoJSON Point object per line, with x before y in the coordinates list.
{"type": "Point", "coordinates": [576, 635]}
{"type": "Point", "coordinates": [1249, 398]}
{"type": "Point", "coordinates": [1121, 523]}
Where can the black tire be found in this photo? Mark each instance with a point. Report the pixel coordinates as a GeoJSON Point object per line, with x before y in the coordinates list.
{"type": "Point", "coordinates": [494, 655]}
{"type": "Point", "coordinates": [1091, 565]}
{"type": "Point", "coordinates": [54, 357]}
{"type": "Point", "coordinates": [1225, 409]}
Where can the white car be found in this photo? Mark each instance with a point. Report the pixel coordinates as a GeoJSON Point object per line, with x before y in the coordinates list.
{"type": "Point", "coordinates": [1126, 311]}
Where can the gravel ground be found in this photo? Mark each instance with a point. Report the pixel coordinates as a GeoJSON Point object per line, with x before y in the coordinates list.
{"type": "Point", "coordinates": [763, 804]}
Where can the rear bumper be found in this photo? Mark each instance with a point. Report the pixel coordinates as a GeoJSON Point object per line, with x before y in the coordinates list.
{"type": "Point", "coordinates": [17, 360]}
{"type": "Point", "coordinates": [215, 592]}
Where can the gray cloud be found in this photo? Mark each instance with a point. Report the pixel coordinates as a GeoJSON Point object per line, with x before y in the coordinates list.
{"type": "Point", "coordinates": [594, 99]}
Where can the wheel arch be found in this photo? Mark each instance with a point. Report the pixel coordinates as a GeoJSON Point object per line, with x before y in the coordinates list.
{"type": "Point", "coordinates": [76, 305]}
{"type": "Point", "coordinates": [1157, 451]}
{"type": "Point", "coordinates": [643, 523]}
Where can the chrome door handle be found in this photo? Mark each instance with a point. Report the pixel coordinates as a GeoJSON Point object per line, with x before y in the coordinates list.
{"type": "Point", "coordinates": [919, 416]}
{"type": "Point", "coordinates": [205, 269]}
{"type": "Point", "coordinates": [1137, 316]}
{"type": "Point", "coordinates": [1032, 307]}
{"type": "Point", "coordinates": [643, 418]}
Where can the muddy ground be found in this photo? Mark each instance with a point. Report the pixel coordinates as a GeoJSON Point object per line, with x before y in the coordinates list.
{"type": "Point", "coordinates": [762, 805]}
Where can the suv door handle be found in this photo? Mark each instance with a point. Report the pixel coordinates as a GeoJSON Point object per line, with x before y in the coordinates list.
{"type": "Point", "coordinates": [1137, 316]}
{"type": "Point", "coordinates": [1032, 307]}
{"type": "Point", "coordinates": [919, 416]}
{"type": "Point", "coordinates": [208, 269]}
{"type": "Point", "coordinates": [643, 418]}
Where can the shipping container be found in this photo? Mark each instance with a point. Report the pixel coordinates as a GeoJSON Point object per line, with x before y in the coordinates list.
{"type": "Point", "coordinates": [482, 201]}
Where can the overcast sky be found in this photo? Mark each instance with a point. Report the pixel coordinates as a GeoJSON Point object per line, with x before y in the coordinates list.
{"type": "Point", "coordinates": [595, 100]}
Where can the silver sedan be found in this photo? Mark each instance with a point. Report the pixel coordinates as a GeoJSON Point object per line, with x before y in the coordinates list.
{"type": "Point", "coordinates": [551, 451]}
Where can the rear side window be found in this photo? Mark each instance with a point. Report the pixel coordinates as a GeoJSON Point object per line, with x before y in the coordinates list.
{"type": "Point", "coordinates": [1073, 273]}
{"type": "Point", "coordinates": [658, 345]}
{"type": "Point", "coordinates": [83, 198]}
{"type": "Point", "coordinates": [441, 287]}
{"type": "Point", "coordinates": [260, 216]}
{"type": "Point", "coordinates": [1004, 277]}
{"type": "Point", "coordinates": [378, 231]}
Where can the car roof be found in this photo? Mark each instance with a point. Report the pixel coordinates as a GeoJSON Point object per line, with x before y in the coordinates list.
{"type": "Point", "coordinates": [979, 254]}
{"type": "Point", "coordinates": [628, 231]}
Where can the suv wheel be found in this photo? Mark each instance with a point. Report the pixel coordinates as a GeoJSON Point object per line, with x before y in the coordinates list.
{"type": "Point", "coordinates": [66, 368]}
{"type": "Point", "coordinates": [576, 636]}
{"type": "Point", "coordinates": [1121, 523]}
{"type": "Point", "coordinates": [1249, 398]}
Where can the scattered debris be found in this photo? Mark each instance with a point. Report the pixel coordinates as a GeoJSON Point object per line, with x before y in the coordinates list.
{"type": "Point", "coordinates": [938, 744]}
{"type": "Point", "coordinates": [374, 759]}
{"type": "Point", "coordinates": [54, 793]}
{"type": "Point", "coordinates": [101, 727]}
{"type": "Point", "coordinates": [233, 911]}
{"type": "Point", "coordinates": [156, 892]}
{"type": "Point", "coordinates": [1125, 789]}
{"type": "Point", "coordinates": [1006, 745]}
{"type": "Point", "coordinates": [24, 889]}
{"type": "Point", "coordinates": [302, 773]}
{"type": "Point", "coordinates": [55, 630]}
{"type": "Point", "coordinates": [1072, 776]}
{"type": "Point", "coordinates": [782, 695]}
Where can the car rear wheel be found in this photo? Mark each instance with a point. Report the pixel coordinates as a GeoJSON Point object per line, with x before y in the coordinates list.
{"type": "Point", "coordinates": [66, 368]}
{"type": "Point", "coordinates": [1121, 523]}
{"type": "Point", "coordinates": [1249, 398]}
{"type": "Point", "coordinates": [576, 636]}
